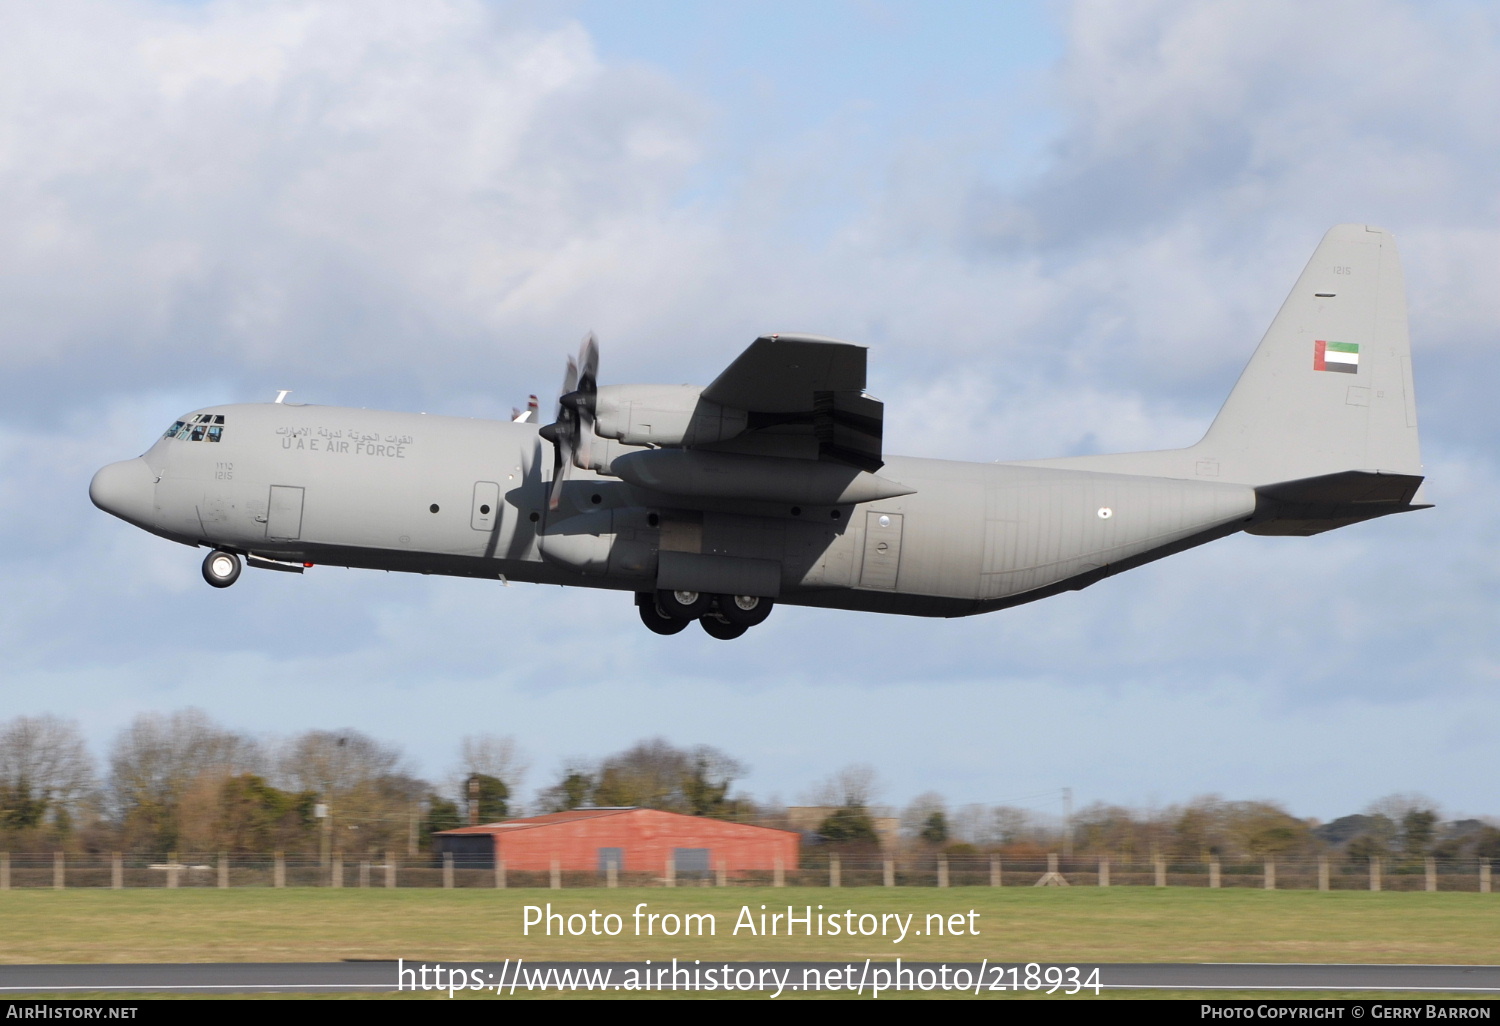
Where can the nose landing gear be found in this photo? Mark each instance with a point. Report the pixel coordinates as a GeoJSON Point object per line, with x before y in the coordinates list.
{"type": "Point", "coordinates": [221, 569]}
{"type": "Point", "coordinates": [725, 617]}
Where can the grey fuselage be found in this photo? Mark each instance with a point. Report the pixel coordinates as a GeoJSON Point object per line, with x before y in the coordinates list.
{"type": "Point", "coordinates": [464, 497]}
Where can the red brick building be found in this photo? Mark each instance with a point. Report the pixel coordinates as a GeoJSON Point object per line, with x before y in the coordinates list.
{"type": "Point", "coordinates": [633, 840]}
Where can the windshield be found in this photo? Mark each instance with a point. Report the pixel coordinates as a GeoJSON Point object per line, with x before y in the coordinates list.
{"type": "Point", "coordinates": [197, 427]}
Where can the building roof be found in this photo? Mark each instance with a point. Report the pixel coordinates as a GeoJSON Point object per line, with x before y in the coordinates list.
{"type": "Point", "coordinates": [574, 815]}
{"type": "Point", "coordinates": [550, 819]}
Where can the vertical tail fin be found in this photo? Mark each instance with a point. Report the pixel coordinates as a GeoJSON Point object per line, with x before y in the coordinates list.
{"type": "Point", "coordinates": [1330, 387]}
{"type": "Point", "coordinates": [1328, 391]}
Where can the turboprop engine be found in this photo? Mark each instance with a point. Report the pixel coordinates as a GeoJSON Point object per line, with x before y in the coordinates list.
{"type": "Point", "coordinates": [670, 415]}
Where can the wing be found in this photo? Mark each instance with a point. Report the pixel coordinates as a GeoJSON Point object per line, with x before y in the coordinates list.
{"type": "Point", "coordinates": [803, 396]}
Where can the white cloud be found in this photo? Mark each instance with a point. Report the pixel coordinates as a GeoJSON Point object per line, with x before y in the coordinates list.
{"type": "Point", "coordinates": [305, 183]}
{"type": "Point", "coordinates": [428, 204]}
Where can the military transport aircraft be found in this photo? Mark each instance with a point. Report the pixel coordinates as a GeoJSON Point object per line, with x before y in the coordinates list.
{"type": "Point", "coordinates": [770, 484]}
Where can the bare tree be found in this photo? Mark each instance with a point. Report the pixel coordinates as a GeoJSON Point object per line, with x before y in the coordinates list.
{"type": "Point", "coordinates": [336, 762]}
{"type": "Point", "coordinates": [1413, 822]}
{"type": "Point", "coordinates": [844, 798]}
{"type": "Point", "coordinates": [1109, 830]}
{"type": "Point", "coordinates": [706, 785]}
{"type": "Point", "coordinates": [970, 824]}
{"type": "Point", "coordinates": [574, 788]}
{"type": "Point", "coordinates": [1265, 830]}
{"type": "Point", "coordinates": [1200, 830]}
{"type": "Point", "coordinates": [1010, 825]}
{"type": "Point", "coordinates": [656, 775]}
{"type": "Point", "coordinates": [490, 772]}
{"type": "Point", "coordinates": [1396, 806]}
{"type": "Point", "coordinates": [46, 774]}
{"type": "Point", "coordinates": [925, 820]}
{"type": "Point", "coordinates": [158, 759]}
{"type": "Point", "coordinates": [853, 786]}
{"type": "Point", "coordinates": [374, 802]}
{"type": "Point", "coordinates": [494, 756]}
{"type": "Point", "coordinates": [649, 774]}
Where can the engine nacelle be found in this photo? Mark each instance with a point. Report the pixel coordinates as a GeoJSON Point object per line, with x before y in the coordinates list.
{"type": "Point", "coordinates": [666, 415]}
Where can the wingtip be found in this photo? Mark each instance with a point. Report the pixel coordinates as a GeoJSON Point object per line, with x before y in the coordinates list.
{"type": "Point", "coordinates": [800, 337]}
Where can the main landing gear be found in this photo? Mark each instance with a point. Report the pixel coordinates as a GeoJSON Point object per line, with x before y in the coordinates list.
{"type": "Point", "coordinates": [221, 569]}
{"type": "Point", "coordinates": [725, 617]}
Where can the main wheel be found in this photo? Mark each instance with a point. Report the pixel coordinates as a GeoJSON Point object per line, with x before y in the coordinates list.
{"type": "Point", "coordinates": [656, 621]}
{"type": "Point", "coordinates": [684, 605]}
{"type": "Point", "coordinates": [221, 569]}
{"type": "Point", "coordinates": [717, 628]}
{"type": "Point", "coordinates": [743, 610]}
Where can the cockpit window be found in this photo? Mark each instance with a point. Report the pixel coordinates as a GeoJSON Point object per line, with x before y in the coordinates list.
{"type": "Point", "coordinates": [197, 428]}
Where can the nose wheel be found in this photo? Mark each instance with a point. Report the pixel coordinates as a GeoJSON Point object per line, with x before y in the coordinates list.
{"type": "Point", "coordinates": [221, 569]}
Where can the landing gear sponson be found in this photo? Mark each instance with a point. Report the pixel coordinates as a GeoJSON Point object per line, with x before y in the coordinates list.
{"type": "Point", "coordinates": [725, 617]}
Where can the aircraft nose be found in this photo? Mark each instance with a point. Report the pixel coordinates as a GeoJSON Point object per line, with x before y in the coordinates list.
{"type": "Point", "coordinates": [127, 489]}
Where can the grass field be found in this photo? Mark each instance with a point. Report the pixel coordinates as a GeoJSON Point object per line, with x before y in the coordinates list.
{"type": "Point", "coordinates": [1022, 924]}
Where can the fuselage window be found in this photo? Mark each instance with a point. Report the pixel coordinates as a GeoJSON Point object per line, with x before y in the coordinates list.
{"type": "Point", "coordinates": [198, 430]}
{"type": "Point", "coordinates": [215, 432]}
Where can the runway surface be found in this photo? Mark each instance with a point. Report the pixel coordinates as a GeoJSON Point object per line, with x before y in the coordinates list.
{"type": "Point", "coordinates": [503, 978]}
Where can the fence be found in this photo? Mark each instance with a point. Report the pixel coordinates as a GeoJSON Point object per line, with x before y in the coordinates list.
{"type": "Point", "coordinates": [59, 870]}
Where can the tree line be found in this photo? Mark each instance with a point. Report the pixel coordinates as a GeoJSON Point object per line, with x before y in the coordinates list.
{"type": "Point", "coordinates": [181, 782]}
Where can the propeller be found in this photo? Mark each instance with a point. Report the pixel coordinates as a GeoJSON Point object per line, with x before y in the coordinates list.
{"type": "Point", "coordinates": [572, 432]}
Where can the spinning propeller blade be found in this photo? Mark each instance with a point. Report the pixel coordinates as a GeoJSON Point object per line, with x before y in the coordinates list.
{"type": "Point", "coordinates": [582, 401]}
{"type": "Point", "coordinates": [572, 432]}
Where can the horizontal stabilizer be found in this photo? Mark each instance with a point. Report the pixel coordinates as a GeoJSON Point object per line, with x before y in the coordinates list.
{"type": "Point", "coordinates": [1316, 504]}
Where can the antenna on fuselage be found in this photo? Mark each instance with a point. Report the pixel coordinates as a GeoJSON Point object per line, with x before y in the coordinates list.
{"type": "Point", "coordinates": [282, 394]}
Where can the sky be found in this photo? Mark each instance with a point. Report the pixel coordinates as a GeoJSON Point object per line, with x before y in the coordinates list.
{"type": "Point", "coordinates": [1060, 228]}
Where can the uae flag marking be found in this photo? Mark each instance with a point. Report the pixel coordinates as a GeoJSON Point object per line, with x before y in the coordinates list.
{"type": "Point", "coordinates": [1336, 356]}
